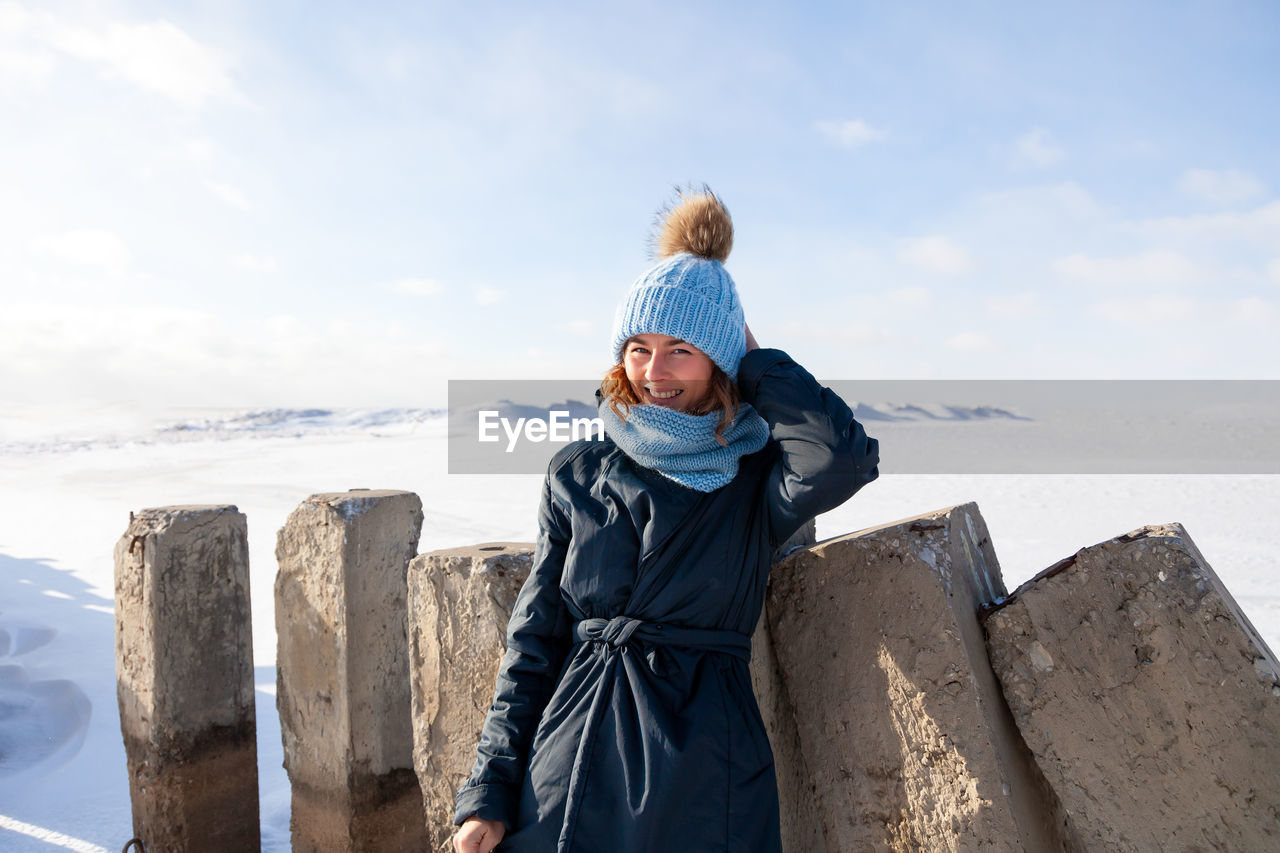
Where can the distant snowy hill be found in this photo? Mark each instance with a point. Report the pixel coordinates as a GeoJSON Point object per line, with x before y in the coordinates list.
{"type": "Point", "coordinates": [931, 412]}
{"type": "Point", "coordinates": [29, 435]}
{"type": "Point", "coordinates": [60, 435]}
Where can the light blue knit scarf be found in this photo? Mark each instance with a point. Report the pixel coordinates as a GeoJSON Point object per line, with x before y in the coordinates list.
{"type": "Point", "coordinates": [683, 447]}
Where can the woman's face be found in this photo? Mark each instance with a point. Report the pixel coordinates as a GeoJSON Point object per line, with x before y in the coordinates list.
{"type": "Point", "coordinates": [666, 371]}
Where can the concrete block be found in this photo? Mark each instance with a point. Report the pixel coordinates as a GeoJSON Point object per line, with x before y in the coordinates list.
{"type": "Point", "coordinates": [184, 670]}
{"type": "Point", "coordinates": [901, 724]}
{"type": "Point", "coordinates": [460, 601]}
{"type": "Point", "coordinates": [1150, 702]}
{"type": "Point", "coordinates": [343, 671]}
{"type": "Point", "coordinates": [798, 813]}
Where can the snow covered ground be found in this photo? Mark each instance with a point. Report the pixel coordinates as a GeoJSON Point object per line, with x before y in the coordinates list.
{"type": "Point", "coordinates": [68, 481]}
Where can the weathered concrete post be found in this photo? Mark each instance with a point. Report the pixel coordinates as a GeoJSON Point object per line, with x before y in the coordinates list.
{"type": "Point", "coordinates": [902, 727]}
{"type": "Point", "coordinates": [459, 603]}
{"type": "Point", "coordinates": [343, 671]}
{"type": "Point", "coordinates": [184, 669]}
{"type": "Point", "coordinates": [798, 810]}
{"type": "Point", "coordinates": [1151, 703]}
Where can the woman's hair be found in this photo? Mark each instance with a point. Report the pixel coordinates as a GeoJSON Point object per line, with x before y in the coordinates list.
{"type": "Point", "coordinates": [722, 395]}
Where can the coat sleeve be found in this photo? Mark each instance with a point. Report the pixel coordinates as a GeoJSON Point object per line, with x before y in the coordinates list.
{"type": "Point", "coordinates": [538, 640]}
{"type": "Point", "coordinates": [826, 454]}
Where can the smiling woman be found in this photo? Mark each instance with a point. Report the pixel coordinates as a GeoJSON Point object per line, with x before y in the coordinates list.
{"type": "Point", "coordinates": [624, 718]}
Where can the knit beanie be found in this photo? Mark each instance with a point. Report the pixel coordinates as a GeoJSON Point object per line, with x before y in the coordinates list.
{"type": "Point", "coordinates": [689, 294]}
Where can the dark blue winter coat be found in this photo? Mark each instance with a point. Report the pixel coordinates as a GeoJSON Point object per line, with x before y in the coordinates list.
{"type": "Point", "coordinates": [623, 718]}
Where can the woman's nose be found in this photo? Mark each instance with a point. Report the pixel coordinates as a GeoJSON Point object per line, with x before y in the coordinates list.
{"type": "Point", "coordinates": [657, 368]}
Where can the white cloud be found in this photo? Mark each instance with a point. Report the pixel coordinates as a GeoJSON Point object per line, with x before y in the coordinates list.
{"type": "Point", "coordinates": [849, 134]}
{"type": "Point", "coordinates": [1220, 187]}
{"type": "Point", "coordinates": [415, 286]}
{"type": "Point", "coordinates": [581, 328]}
{"type": "Point", "coordinates": [1148, 310]}
{"type": "Point", "coordinates": [1161, 267]}
{"type": "Point", "coordinates": [1252, 311]}
{"type": "Point", "coordinates": [21, 59]}
{"type": "Point", "coordinates": [971, 342]}
{"type": "Point", "coordinates": [525, 94]}
{"type": "Point", "coordinates": [489, 295]}
{"type": "Point", "coordinates": [855, 335]}
{"type": "Point", "coordinates": [255, 262]}
{"type": "Point", "coordinates": [15, 22]}
{"type": "Point", "coordinates": [229, 195]}
{"type": "Point", "coordinates": [92, 247]}
{"type": "Point", "coordinates": [199, 150]}
{"type": "Point", "coordinates": [1273, 270]}
{"type": "Point", "coordinates": [12, 18]}
{"type": "Point", "coordinates": [1260, 226]}
{"type": "Point", "coordinates": [176, 356]}
{"type": "Point", "coordinates": [1174, 308]}
{"type": "Point", "coordinates": [1050, 202]}
{"type": "Point", "coordinates": [156, 56]}
{"type": "Point", "coordinates": [1037, 149]}
{"type": "Point", "coordinates": [916, 297]}
{"type": "Point", "coordinates": [1016, 305]}
{"type": "Point", "coordinates": [935, 254]}
{"type": "Point", "coordinates": [25, 66]}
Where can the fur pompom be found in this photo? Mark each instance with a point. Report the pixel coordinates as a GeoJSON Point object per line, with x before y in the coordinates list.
{"type": "Point", "coordinates": [697, 223]}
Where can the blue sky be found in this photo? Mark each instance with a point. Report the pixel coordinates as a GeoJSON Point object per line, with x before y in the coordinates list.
{"type": "Point", "coordinates": [271, 203]}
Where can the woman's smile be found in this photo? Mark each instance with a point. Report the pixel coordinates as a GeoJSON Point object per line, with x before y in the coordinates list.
{"type": "Point", "coordinates": [661, 396]}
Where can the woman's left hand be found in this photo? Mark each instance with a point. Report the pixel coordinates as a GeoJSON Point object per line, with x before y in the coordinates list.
{"type": "Point", "coordinates": [477, 835]}
{"type": "Point", "coordinates": [751, 339]}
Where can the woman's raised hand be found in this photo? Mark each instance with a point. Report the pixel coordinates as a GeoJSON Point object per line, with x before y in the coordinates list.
{"type": "Point", "coordinates": [751, 339]}
{"type": "Point", "coordinates": [477, 835]}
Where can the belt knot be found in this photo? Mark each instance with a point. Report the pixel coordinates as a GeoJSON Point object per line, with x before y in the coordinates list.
{"type": "Point", "coordinates": [616, 632]}
{"type": "Point", "coordinates": [621, 630]}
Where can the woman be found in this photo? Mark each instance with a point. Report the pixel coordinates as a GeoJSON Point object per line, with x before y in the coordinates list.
{"type": "Point", "coordinates": [623, 718]}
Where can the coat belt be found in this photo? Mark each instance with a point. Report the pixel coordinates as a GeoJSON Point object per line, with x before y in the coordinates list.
{"type": "Point", "coordinates": [621, 630]}
{"type": "Point", "coordinates": [615, 634]}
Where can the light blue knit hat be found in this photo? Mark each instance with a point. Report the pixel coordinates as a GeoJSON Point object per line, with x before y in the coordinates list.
{"type": "Point", "coordinates": [689, 294]}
